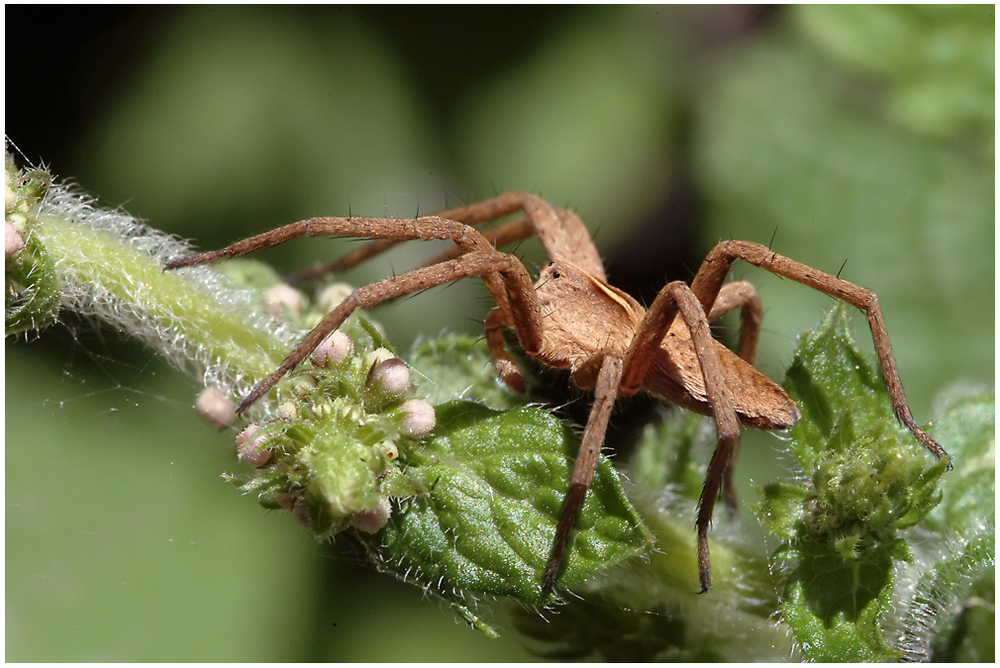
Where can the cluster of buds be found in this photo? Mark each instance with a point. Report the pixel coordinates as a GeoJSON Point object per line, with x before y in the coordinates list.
{"type": "Point", "coordinates": [335, 437]}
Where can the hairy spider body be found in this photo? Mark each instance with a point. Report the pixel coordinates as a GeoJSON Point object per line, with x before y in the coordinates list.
{"type": "Point", "coordinates": [572, 318]}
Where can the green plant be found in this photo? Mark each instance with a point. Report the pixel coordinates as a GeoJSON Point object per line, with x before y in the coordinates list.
{"type": "Point", "coordinates": [876, 554]}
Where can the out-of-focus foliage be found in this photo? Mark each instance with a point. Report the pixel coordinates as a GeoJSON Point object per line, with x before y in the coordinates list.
{"type": "Point", "coordinates": [792, 149]}
{"type": "Point", "coordinates": [595, 104]}
{"type": "Point", "coordinates": [935, 61]}
{"type": "Point", "coordinates": [800, 123]}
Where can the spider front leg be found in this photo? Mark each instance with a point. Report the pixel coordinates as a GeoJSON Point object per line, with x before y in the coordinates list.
{"type": "Point", "coordinates": [708, 283]}
{"type": "Point", "coordinates": [519, 288]}
{"type": "Point", "coordinates": [386, 229]}
{"type": "Point", "coordinates": [504, 275]}
{"type": "Point", "coordinates": [677, 297]}
{"type": "Point", "coordinates": [560, 231]}
{"type": "Point", "coordinates": [472, 214]}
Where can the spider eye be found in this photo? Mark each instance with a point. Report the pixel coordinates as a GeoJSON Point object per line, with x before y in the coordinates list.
{"type": "Point", "coordinates": [555, 273]}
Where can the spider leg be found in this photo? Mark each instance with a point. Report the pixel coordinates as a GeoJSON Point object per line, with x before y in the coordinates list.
{"type": "Point", "coordinates": [605, 394]}
{"type": "Point", "coordinates": [506, 278]}
{"type": "Point", "coordinates": [394, 229]}
{"type": "Point", "coordinates": [389, 229]}
{"type": "Point", "coordinates": [739, 295]}
{"type": "Point", "coordinates": [560, 231]}
{"type": "Point", "coordinates": [503, 363]}
{"type": "Point", "coordinates": [472, 214]}
{"type": "Point", "coordinates": [520, 294]}
{"type": "Point", "coordinates": [708, 283]}
{"type": "Point", "coordinates": [508, 233]}
{"type": "Point", "coordinates": [676, 298]}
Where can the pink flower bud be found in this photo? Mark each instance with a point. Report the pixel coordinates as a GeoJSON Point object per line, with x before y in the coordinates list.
{"type": "Point", "coordinates": [391, 375]}
{"type": "Point", "coordinates": [215, 408]}
{"type": "Point", "coordinates": [334, 349]}
{"type": "Point", "coordinates": [283, 298]}
{"type": "Point", "coordinates": [418, 418]}
{"type": "Point", "coordinates": [250, 448]}
{"type": "Point", "coordinates": [12, 241]}
{"type": "Point", "coordinates": [332, 295]}
{"type": "Point", "coordinates": [371, 521]}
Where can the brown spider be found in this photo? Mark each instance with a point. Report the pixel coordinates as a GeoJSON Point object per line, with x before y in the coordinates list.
{"type": "Point", "coordinates": [572, 318]}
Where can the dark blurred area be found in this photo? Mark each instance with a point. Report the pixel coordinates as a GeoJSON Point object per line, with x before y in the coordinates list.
{"type": "Point", "coordinates": [446, 53]}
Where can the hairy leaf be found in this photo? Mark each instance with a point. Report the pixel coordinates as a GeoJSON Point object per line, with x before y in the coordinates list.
{"type": "Point", "coordinates": [496, 483]}
{"type": "Point", "coordinates": [951, 614]}
{"type": "Point", "coordinates": [867, 479]}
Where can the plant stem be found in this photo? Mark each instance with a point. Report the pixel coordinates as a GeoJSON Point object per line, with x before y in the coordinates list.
{"type": "Point", "coordinates": [193, 317]}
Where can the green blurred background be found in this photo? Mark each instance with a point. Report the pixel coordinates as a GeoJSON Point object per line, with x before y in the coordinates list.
{"type": "Point", "coordinates": [863, 134]}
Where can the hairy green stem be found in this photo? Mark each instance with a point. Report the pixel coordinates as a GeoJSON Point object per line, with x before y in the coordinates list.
{"type": "Point", "coordinates": [117, 274]}
{"type": "Point", "coordinates": [66, 254]}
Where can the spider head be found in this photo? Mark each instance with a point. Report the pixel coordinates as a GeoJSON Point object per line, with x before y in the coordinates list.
{"type": "Point", "coordinates": [582, 315]}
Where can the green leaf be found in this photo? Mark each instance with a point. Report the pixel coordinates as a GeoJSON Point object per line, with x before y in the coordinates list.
{"type": "Point", "coordinates": [496, 484]}
{"type": "Point", "coordinates": [951, 616]}
{"type": "Point", "coordinates": [780, 506]}
{"type": "Point", "coordinates": [868, 479]}
{"type": "Point", "coordinates": [968, 430]}
{"type": "Point", "coordinates": [650, 609]}
{"type": "Point", "coordinates": [834, 607]}
{"type": "Point", "coordinates": [951, 613]}
{"type": "Point", "coordinates": [829, 376]}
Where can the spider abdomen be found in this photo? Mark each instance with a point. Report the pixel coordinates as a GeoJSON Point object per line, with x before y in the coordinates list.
{"type": "Point", "coordinates": [676, 376]}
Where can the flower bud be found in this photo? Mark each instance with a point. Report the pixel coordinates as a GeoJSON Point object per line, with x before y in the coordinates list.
{"type": "Point", "coordinates": [371, 521]}
{"type": "Point", "coordinates": [332, 295]}
{"type": "Point", "coordinates": [287, 411]}
{"type": "Point", "coordinates": [418, 418]}
{"type": "Point", "coordinates": [250, 447]}
{"type": "Point", "coordinates": [282, 299]}
{"type": "Point", "coordinates": [391, 376]}
{"type": "Point", "coordinates": [332, 350]}
{"type": "Point", "coordinates": [215, 408]}
{"type": "Point", "coordinates": [12, 240]}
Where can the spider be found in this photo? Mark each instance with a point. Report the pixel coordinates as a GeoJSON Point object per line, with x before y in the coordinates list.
{"type": "Point", "coordinates": [572, 318]}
